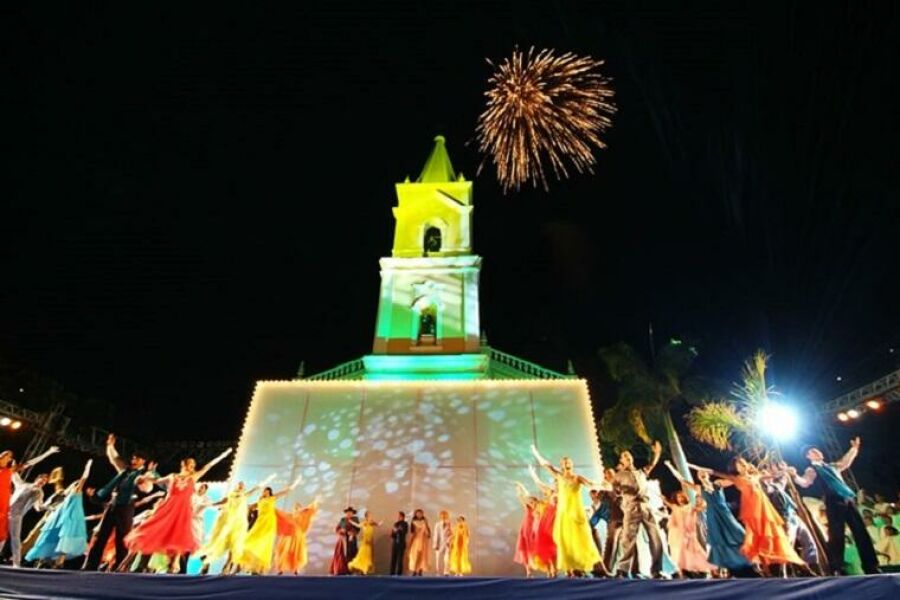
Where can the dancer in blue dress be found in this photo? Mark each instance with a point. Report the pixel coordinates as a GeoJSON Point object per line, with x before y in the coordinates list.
{"type": "Point", "coordinates": [725, 534]}
{"type": "Point", "coordinates": [65, 533]}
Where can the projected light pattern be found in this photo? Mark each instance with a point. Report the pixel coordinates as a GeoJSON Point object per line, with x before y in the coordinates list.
{"type": "Point", "coordinates": [389, 446]}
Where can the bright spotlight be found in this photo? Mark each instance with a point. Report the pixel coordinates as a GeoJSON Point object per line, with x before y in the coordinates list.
{"type": "Point", "coordinates": [873, 404]}
{"type": "Point", "coordinates": [777, 420]}
{"type": "Point", "coordinates": [842, 417]}
{"type": "Point", "coordinates": [5, 421]}
{"type": "Point", "coordinates": [853, 413]}
{"type": "Point", "coordinates": [15, 424]}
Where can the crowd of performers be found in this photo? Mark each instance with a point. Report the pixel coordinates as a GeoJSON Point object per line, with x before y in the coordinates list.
{"type": "Point", "coordinates": [694, 533]}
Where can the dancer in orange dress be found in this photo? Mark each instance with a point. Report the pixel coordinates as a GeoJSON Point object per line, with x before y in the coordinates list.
{"type": "Point", "coordinates": [765, 539]}
{"type": "Point", "coordinates": [291, 552]}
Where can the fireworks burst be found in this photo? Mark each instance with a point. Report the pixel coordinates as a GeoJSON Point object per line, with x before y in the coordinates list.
{"type": "Point", "coordinates": [544, 107]}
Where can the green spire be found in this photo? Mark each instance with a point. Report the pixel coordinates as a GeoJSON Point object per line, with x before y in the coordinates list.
{"type": "Point", "coordinates": [437, 168]}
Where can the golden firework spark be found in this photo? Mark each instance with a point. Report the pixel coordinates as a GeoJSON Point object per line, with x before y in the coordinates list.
{"type": "Point", "coordinates": [544, 107]}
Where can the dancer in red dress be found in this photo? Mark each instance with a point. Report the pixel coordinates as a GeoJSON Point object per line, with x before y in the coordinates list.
{"type": "Point", "coordinates": [544, 557]}
{"type": "Point", "coordinates": [525, 543]}
{"type": "Point", "coordinates": [170, 529]}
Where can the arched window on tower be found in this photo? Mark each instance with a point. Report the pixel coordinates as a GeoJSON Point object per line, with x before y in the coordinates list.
{"type": "Point", "coordinates": [427, 326]}
{"type": "Point", "coordinates": [432, 240]}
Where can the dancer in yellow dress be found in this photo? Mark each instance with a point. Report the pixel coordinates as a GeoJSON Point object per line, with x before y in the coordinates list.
{"type": "Point", "coordinates": [259, 544]}
{"type": "Point", "coordinates": [459, 549]}
{"type": "Point", "coordinates": [364, 562]}
{"type": "Point", "coordinates": [230, 528]}
{"type": "Point", "coordinates": [576, 552]}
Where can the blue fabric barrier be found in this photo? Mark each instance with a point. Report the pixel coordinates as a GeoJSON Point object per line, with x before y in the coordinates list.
{"type": "Point", "coordinates": [32, 584]}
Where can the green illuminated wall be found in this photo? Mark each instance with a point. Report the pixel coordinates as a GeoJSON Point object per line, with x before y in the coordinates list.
{"type": "Point", "coordinates": [388, 446]}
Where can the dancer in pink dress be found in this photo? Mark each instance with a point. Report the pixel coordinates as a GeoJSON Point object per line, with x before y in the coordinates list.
{"type": "Point", "coordinates": [170, 529]}
{"type": "Point", "coordinates": [687, 552]}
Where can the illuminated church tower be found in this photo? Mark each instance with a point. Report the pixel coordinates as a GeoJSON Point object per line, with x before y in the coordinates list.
{"type": "Point", "coordinates": [432, 418]}
{"type": "Point", "coordinates": [428, 305]}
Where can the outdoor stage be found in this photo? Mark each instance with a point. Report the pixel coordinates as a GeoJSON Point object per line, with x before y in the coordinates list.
{"type": "Point", "coordinates": [32, 584]}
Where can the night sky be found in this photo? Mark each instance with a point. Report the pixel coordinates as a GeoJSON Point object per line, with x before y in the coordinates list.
{"type": "Point", "coordinates": [196, 198]}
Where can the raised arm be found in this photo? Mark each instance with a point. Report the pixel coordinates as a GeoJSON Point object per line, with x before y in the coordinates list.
{"type": "Point", "coordinates": [262, 484]}
{"type": "Point", "coordinates": [684, 482]}
{"type": "Point", "coordinates": [205, 469]}
{"type": "Point", "coordinates": [847, 459]}
{"type": "Point", "coordinates": [522, 494]}
{"type": "Point", "coordinates": [289, 488]}
{"type": "Point", "coordinates": [543, 461]}
{"type": "Point", "coordinates": [657, 452]}
{"type": "Point", "coordinates": [596, 485]}
{"type": "Point", "coordinates": [79, 485]}
{"type": "Point", "coordinates": [114, 459]}
{"type": "Point", "coordinates": [537, 480]}
{"type": "Point", "coordinates": [31, 462]}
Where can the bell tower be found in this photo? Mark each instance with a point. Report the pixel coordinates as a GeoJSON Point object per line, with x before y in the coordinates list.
{"type": "Point", "coordinates": [428, 303]}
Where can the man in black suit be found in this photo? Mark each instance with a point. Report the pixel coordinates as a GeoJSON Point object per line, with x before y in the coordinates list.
{"type": "Point", "coordinates": [398, 543]}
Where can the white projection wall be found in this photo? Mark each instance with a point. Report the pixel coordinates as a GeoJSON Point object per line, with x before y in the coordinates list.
{"type": "Point", "coordinates": [387, 446]}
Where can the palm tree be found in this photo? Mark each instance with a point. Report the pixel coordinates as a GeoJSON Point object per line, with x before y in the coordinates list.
{"type": "Point", "coordinates": [644, 395]}
{"type": "Point", "coordinates": [730, 424]}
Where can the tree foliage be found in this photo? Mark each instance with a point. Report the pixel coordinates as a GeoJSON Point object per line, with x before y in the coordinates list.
{"type": "Point", "coordinates": [644, 393]}
{"type": "Point", "coordinates": [728, 423]}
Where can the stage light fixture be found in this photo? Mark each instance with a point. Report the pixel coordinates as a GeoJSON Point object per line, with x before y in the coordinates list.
{"type": "Point", "coordinates": [15, 425]}
{"type": "Point", "coordinates": [874, 404]}
{"type": "Point", "coordinates": [842, 417]}
{"type": "Point", "coordinates": [5, 421]}
{"type": "Point", "coordinates": [853, 413]}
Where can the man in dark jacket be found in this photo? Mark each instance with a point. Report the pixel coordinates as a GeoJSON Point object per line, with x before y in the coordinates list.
{"type": "Point", "coordinates": [398, 543]}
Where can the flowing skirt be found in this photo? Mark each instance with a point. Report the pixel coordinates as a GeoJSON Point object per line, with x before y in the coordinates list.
{"type": "Point", "coordinates": [544, 546]}
{"type": "Point", "coordinates": [64, 533]}
{"type": "Point", "coordinates": [765, 539]}
{"type": "Point", "coordinates": [259, 544]}
{"type": "Point", "coordinates": [459, 555]}
{"type": "Point", "coordinates": [724, 533]}
{"type": "Point", "coordinates": [525, 542]}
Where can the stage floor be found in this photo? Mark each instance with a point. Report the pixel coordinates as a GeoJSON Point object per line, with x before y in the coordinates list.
{"type": "Point", "coordinates": [32, 584]}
